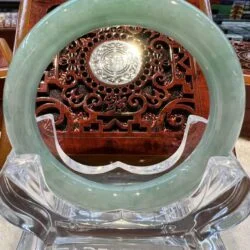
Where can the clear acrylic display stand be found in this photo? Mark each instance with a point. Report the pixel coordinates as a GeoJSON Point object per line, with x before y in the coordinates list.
{"type": "Point", "coordinates": [221, 201]}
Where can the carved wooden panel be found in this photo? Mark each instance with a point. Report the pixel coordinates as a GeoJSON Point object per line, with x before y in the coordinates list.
{"type": "Point", "coordinates": [243, 51]}
{"type": "Point", "coordinates": [156, 103]}
{"type": "Point", "coordinates": [158, 99]}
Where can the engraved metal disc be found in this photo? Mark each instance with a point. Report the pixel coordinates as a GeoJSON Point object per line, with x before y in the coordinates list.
{"type": "Point", "coordinates": [116, 62]}
{"type": "Point", "coordinates": [246, 55]}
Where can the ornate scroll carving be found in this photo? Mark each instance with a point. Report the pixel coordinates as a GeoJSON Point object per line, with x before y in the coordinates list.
{"type": "Point", "coordinates": [243, 51]}
{"type": "Point", "coordinates": [159, 99]}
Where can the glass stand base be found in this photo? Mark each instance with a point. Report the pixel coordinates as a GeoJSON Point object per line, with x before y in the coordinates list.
{"type": "Point", "coordinates": [221, 201]}
{"type": "Point", "coordinates": [50, 222]}
{"type": "Point", "coordinates": [30, 242]}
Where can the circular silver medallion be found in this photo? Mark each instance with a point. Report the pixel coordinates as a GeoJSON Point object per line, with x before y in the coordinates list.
{"type": "Point", "coordinates": [116, 62]}
{"type": "Point", "coordinates": [247, 55]}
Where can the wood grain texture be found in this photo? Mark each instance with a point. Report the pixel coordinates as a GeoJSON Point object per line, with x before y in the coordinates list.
{"type": "Point", "coordinates": [5, 59]}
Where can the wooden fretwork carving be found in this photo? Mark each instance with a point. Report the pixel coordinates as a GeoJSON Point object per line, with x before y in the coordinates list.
{"type": "Point", "coordinates": [144, 116]}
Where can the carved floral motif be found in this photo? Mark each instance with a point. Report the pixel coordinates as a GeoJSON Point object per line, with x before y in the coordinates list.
{"type": "Point", "coordinates": [158, 99]}
{"type": "Point", "coordinates": [243, 51]}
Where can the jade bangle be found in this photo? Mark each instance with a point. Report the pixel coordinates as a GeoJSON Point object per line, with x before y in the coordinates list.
{"type": "Point", "coordinates": [174, 18]}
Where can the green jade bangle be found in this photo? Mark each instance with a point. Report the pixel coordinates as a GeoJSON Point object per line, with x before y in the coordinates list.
{"type": "Point", "coordinates": [177, 19]}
